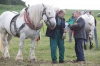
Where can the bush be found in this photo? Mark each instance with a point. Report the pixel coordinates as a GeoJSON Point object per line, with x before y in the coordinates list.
{"type": "Point", "coordinates": [11, 7]}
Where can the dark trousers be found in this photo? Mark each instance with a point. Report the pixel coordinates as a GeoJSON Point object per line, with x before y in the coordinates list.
{"type": "Point", "coordinates": [79, 49]}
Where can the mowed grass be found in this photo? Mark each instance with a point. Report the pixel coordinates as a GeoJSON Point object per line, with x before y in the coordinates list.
{"type": "Point", "coordinates": [42, 50]}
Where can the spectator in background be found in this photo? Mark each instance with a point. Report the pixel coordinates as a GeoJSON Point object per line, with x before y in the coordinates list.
{"type": "Point", "coordinates": [71, 21]}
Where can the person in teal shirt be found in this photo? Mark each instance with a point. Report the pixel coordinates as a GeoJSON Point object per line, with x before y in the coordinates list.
{"type": "Point", "coordinates": [71, 21]}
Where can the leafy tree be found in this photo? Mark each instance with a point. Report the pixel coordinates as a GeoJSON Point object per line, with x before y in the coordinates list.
{"type": "Point", "coordinates": [12, 2]}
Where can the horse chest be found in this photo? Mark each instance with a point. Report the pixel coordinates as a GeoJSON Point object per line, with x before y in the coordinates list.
{"type": "Point", "coordinates": [31, 33]}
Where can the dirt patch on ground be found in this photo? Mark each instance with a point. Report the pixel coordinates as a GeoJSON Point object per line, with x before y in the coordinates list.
{"type": "Point", "coordinates": [11, 62]}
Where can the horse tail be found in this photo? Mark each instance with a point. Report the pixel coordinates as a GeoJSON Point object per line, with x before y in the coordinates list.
{"type": "Point", "coordinates": [1, 41]}
{"type": "Point", "coordinates": [1, 44]}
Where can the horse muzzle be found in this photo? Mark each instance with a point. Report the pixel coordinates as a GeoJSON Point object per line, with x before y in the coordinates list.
{"type": "Point", "coordinates": [51, 23]}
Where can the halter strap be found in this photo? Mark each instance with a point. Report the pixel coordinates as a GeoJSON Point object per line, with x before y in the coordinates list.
{"type": "Point", "coordinates": [48, 18]}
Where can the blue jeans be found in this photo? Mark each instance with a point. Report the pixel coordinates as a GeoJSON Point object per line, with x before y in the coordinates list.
{"type": "Point", "coordinates": [95, 36]}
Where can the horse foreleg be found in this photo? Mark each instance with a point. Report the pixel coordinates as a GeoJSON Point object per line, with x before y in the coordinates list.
{"type": "Point", "coordinates": [9, 37]}
{"type": "Point", "coordinates": [5, 44]}
{"type": "Point", "coordinates": [91, 43]}
{"type": "Point", "coordinates": [85, 47]}
{"type": "Point", "coordinates": [19, 56]}
{"type": "Point", "coordinates": [32, 57]}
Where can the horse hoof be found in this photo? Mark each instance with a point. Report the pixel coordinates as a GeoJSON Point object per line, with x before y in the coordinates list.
{"type": "Point", "coordinates": [33, 60]}
{"type": "Point", "coordinates": [91, 46]}
{"type": "Point", "coordinates": [19, 60]}
{"type": "Point", "coordinates": [85, 47]}
{"type": "Point", "coordinates": [6, 58]}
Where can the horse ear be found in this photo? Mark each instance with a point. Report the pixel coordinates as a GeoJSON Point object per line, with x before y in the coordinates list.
{"type": "Point", "coordinates": [43, 5]}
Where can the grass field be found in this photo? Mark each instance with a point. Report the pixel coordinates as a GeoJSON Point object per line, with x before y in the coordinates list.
{"type": "Point", "coordinates": [42, 50]}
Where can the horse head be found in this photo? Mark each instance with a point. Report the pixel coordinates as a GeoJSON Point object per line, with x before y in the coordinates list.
{"type": "Point", "coordinates": [48, 16]}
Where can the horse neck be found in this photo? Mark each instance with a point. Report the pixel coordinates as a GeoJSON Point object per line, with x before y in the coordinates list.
{"type": "Point", "coordinates": [35, 14]}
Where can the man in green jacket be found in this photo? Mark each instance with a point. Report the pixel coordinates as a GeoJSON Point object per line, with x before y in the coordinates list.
{"type": "Point", "coordinates": [71, 21]}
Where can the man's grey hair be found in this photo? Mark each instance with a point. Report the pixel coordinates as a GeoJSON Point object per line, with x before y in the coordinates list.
{"type": "Point", "coordinates": [78, 12]}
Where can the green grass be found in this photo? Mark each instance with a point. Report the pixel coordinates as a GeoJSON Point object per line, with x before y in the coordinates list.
{"type": "Point", "coordinates": [42, 50]}
{"type": "Point", "coordinates": [10, 8]}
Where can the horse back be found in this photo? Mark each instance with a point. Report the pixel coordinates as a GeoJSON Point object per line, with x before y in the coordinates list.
{"type": "Point", "coordinates": [5, 19]}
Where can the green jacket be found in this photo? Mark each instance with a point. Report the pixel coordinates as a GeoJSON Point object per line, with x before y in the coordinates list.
{"type": "Point", "coordinates": [71, 20]}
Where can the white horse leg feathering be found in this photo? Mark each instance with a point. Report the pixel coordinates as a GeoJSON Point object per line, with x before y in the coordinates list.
{"type": "Point", "coordinates": [32, 49]}
{"type": "Point", "coordinates": [5, 44]}
{"type": "Point", "coordinates": [19, 56]}
{"type": "Point", "coordinates": [1, 45]}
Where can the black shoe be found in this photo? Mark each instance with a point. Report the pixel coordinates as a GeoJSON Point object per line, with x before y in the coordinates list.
{"type": "Point", "coordinates": [54, 62]}
{"type": "Point", "coordinates": [61, 61]}
{"type": "Point", "coordinates": [81, 62]}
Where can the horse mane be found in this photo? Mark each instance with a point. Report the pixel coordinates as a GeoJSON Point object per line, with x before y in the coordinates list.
{"type": "Point", "coordinates": [35, 13]}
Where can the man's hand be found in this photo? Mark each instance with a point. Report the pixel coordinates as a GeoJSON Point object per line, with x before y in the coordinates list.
{"type": "Point", "coordinates": [51, 28]}
{"type": "Point", "coordinates": [75, 23]}
{"type": "Point", "coordinates": [65, 30]}
{"type": "Point", "coordinates": [71, 25]}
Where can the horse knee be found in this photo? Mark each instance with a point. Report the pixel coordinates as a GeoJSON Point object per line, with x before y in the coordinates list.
{"type": "Point", "coordinates": [9, 37]}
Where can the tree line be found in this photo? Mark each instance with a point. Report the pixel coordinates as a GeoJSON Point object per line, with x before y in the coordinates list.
{"type": "Point", "coordinates": [12, 2]}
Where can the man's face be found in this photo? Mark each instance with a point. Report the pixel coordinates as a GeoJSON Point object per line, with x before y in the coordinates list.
{"type": "Point", "coordinates": [91, 13]}
{"type": "Point", "coordinates": [62, 14]}
{"type": "Point", "coordinates": [76, 15]}
{"type": "Point", "coordinates": [72, 15]}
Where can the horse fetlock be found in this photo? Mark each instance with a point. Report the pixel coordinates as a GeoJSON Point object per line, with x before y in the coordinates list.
{"type": "Point", "coordinates": [91, 46]}
{"type": "Point", "coordinates": [19, 57]}
{"type": "Point", "coordinates": [85, 47]}
{"type": "Point", "coordinates": [19, 60]}
{"type": "Point", "coordinates": [6, 56]}
{"type": "Point", "coordinates": [32, 60]}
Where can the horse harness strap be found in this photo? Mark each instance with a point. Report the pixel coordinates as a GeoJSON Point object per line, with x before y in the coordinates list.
{"type": "Point", "coordinates": [29, 22]}
{"type": "Point", "coordinates": [14, 21]}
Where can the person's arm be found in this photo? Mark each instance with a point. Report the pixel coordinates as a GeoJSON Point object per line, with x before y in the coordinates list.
{"type": "Point", "coordinates": [78, 25]}
{"type": "Point", "coordinates": [68, 20]}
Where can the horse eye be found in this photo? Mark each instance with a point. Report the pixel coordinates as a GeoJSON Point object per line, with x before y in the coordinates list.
{"type": "Point", "coordinates": [49, 12]}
